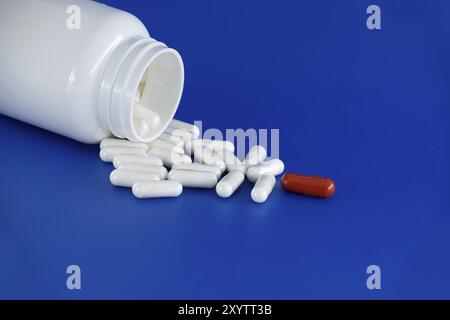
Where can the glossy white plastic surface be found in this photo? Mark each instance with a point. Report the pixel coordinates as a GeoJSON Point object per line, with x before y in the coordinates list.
{"type": "Point", "coordinates": [198, 167]}
{"type": "Point", "coordinates": [255, 156]}
{"type": "Point", "coordinates": [157, 189]}
{"type": "Point", "coordinates": [146, 160]}
{"type": "Point", "coordinates": [272, 167]}
{"type": "Point", "coordinates": [111, 142]}
{"type": "Point", "coordinates": [109, 153]}
{"type": "Point", "coordinates": [229, 184]}
{"type": "Point", "coordinates": [159, 170]}
{"type": "Point", "coordinates": [126, 178]}
{"type": "Point", "coordinates": [169, 157]}
{"type": "Point", "coordinates": [193, 179]}
{"type": "Point", "coordinates": [262, 189]}
{"type": "Point", "coordinates": [81, 83]}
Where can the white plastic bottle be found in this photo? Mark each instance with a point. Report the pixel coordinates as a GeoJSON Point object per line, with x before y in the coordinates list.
{"type": "Point", "coordinates": [82, 83]}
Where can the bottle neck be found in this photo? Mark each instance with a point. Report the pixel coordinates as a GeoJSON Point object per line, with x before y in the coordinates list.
{"type": "Point", "coordinates": [142, 77]}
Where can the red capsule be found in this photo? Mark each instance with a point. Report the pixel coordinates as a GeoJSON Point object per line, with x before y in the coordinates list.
{"type": "Point", "coordinates": [310, 186]}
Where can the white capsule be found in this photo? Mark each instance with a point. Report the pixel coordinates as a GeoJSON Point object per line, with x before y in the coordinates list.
{"type": "Point", "coordinates": [237, 167]}
{"type": "Point", "coordinates": [193, 179]}
{"type": "Point", "coordinates": [159, 170]}
{"type": "Point", "coordinates": [158, 143]}
{"type": "Point", "coordinates": [142, 127]}
{"type": "Point", "coordinates": [262, 189]}
{"type": "Point", "coordinates": [215, 145]}
{"type": "Point", "coordinates": [190, 145]}
{"type": "Point", "coordinates": [198, 167]}
{"type": "Point", "coordinates": [228, 157]}
{"type": "Point", "coordinates": [219, 145]}
{"type": "Point", "coordinates": [186, 126]}
{"type": "Point", "coordinates": [146, 85]}
{"type": "Point", "coordinates": [138, 95]}
{"type": "Point", "coordinates": [255, 156]}
{"type": "Point", "coordinates": [113, 142]}
{"type": "Point", "coordinates": [229, 184]}
{"type": "Point", "coordinates": [181, 133]}
{"type": "Point", "coordinates": [171, 139]}
{"type": "Point", "coordinates": [147, 160]}
{"type": "Point", "coordinates": [157, 189]}
{"type": "Point", "coordinates": [141, 89]}
{"type": "Point", "coordinates": [126, 178]}
{"type": "Point", "coordinates": [109, 153]}
{"type": "Point", "coordinates": [207, 156]}
{"type": "Point", "coordinates": [151, 117]}
{"type": "Point", "coordinates": [169, 157]}
{"type": "Point", "coordinates": [231, 161]}
{"type": "Point", "coordinates": [272, 167]}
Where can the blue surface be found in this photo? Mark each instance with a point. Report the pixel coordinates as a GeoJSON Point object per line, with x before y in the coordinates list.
{"type": "Point", "coordinates": [369, 109]}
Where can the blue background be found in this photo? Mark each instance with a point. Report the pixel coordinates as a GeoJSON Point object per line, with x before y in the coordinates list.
{"type": "Point", "coordinates": [369, 109]}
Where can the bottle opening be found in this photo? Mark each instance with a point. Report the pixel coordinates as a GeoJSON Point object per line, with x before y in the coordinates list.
{"type": "Point", "coordinates": [141, 89]}
{"type": "Point", "coordinates": [157, 95]}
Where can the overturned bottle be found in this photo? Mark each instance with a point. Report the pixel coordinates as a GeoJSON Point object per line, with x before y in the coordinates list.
{"type": "Point", "coordinates": [100, 77]}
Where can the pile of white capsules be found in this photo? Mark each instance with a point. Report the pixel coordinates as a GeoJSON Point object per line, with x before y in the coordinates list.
{"type": "Point", "coordinates": [142, 166]}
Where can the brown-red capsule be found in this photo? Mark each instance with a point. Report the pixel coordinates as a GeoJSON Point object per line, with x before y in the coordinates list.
{"type": "Point", "coordinates": [307, 185]}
